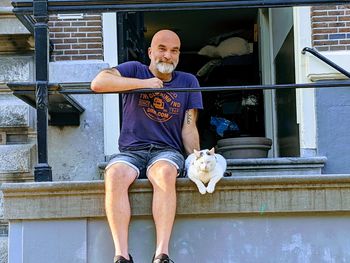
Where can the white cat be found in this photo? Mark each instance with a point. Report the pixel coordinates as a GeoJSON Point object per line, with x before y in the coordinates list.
{"type": "Point", "coordinates": [205, 166]}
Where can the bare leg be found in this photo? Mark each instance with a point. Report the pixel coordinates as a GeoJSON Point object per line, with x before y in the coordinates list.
{"type": "Point", "coordinates": [118, 179]}
{"type": "Point", "coordinates": [163, 175]}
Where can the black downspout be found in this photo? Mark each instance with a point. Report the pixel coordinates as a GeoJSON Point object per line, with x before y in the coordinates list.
{"type": "Point", "coordinates": [42, 171]}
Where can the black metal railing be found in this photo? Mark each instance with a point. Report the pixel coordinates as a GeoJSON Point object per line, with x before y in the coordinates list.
{"type": "Point", "coordinates": [40, 9]}
{"type": "Point", "coordinates": [326, 60]}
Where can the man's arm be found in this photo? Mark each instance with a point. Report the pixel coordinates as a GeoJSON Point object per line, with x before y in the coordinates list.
{"type": "Point", "coordinates": [190, 136]}
{"type": "Point", "coordinates": [110, 80]}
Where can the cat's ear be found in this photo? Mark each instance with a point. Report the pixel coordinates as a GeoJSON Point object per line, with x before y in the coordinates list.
{"type": "Point", "coordinates": [212, 151]}
{"type": "Point", "coordinates": [197, 153]}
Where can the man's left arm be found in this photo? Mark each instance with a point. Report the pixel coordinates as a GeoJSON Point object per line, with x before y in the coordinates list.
{"type": "Point", "coordinates": [190, 136]}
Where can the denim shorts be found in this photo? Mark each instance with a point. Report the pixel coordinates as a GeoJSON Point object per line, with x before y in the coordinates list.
{"type": "Point", "coordinates": [142, 158]}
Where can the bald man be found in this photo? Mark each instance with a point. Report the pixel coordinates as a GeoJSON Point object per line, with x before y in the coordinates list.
{"type": "Point", "coordinates": [158, 130]}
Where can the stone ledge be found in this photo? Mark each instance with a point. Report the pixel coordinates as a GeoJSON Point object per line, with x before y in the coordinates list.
{"type": "Point", "coordinates": [234, 195]}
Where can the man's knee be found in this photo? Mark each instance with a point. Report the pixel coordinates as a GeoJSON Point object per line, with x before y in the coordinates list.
{"type": "Point", "coordinates": [120, 175]}
{"type": "Point", "coordinates": [163, 172]}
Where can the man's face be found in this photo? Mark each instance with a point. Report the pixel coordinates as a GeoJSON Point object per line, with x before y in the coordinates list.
{"type": "Point", "coordinates": [164, 52]}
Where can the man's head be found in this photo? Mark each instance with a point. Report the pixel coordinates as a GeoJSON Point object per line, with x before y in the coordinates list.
{"type": "Point", "coordinates": [164, 52]}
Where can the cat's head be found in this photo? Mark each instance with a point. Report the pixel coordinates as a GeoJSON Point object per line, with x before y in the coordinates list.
{"type": "Point", "coordinates": [205, 159]}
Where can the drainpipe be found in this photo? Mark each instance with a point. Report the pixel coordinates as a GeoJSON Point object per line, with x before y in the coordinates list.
{"type": "Point", "coordinates": [42, 171]}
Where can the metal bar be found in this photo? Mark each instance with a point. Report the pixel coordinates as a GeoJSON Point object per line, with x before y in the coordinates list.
{"type": "Point", "coordinates": [42, 171]}
{"type": "Point", "coordinates": [326, 60]}
{"type": "Point", "coordinates": [320, 84]}
{"type": "Point", "coordinates": [66, 6]}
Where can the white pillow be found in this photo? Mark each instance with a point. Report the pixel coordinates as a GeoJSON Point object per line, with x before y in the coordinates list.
{"type": "Point", "coordinates": [209, 51]}
{"type": "Point", "coordinates": [233, 46]}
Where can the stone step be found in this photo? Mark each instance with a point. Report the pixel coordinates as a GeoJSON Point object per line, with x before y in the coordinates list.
{"type": "Point", "coordinates": [268, 166]}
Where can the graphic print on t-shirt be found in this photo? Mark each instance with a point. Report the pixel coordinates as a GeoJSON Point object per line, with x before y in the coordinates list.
{"type": "Point", "coordinates": [159, 106]}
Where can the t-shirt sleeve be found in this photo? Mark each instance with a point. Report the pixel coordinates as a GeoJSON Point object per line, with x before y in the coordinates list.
{"type": "Point", "coordinates": [128, 69]}
{"type": "Point", "coordinates": [195, 98]}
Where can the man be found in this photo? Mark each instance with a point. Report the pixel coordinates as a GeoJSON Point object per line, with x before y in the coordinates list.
{"type": "Point", "coordinates": [157, 128]}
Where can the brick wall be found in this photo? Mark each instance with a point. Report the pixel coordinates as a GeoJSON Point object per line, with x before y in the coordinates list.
{"type": "Point", "coordinates": [77, 38]}
{"type": "Point", "coordinates": [331, 27]}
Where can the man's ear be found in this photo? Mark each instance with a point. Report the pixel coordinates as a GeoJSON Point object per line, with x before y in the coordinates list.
{"type": "Point", "coordinates": [149, 52]}
{"type": "Point", "coordinates": [196, 153]}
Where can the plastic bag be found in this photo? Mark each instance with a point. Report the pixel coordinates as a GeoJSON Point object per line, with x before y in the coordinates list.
{"type": "Point", "coordinates": [222, 125]}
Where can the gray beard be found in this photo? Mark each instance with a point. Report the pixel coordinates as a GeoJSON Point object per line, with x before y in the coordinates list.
{"type": "Point", "coordinates": [165, 68]}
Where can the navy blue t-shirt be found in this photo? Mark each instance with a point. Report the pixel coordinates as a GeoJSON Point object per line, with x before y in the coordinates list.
{"type": "Point", "coordinates": [156, 118]}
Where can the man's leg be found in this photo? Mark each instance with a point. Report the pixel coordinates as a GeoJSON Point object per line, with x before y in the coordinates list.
{"type": "Point", "coordinates": [162, 175]}
{"type": "Point", "coordinates": [118, 179]}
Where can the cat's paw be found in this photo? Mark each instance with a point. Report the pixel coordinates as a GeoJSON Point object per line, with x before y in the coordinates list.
{"type": "Point", "coordinates": [211, 189]}
{"type": "Point", "coordinates": [202, 189]}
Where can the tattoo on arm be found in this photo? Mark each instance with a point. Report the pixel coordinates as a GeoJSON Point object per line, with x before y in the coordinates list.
{"type": "Point", "coordinates": [188, 117]}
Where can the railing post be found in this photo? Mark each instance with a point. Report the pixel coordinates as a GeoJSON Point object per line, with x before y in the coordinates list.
{"type": "Point", "coordinates": [42, 170]}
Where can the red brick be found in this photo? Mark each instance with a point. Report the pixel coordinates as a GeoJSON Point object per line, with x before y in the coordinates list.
{"type": "Point", "coordinates": [70, 40]}
{"type": "Point", "coordinates": [325, 48]}
{"type": "Point", "coordinates": [71, 52]}
{"type": "Point", "coordinates": [99, 57]}
{"type": "Point", "coordinates": [95, 45]}
{"type": "Point", "coordinates": [335, 48]}
{"type": "Point", "coordinates": [79, 57]}
{"type": "Point", "coordinates": [325, 31]}
{"type": "Point", "coordinates": [79, 46]}
{"type": "Point", "coordinates": [325, 42]}
{"type": "Point", "coordinates": [336, 13]}
{"type": "Point", "coordinates": [56, 29]}
{"type": "Point", "coordinates": [94, 34]}
{"type": "Point", "coordinates": [319, 13]}
{"type": "Point", "coordinates": [319, 25]}
{"type": "Point", "coordinates": [62, 35]}
{"type": "Point", "coordinates": [70, 29]}
{"type": "Point", "coordinates": [64, 46]}
{"type": "Point", "coordinates": [89, 51]}
{"type": "Point", "coordinates": [78, 34]}
{"type": "Point", "coordinates": [89, 29]}
{"type": "Point", "coordinates": [345, 42]}
{"type": "Point", "coordinates": [59, 23]}
{"type": "Point", "coordinates": [61, 58]}
{"type": "Point", "coordinates": [344, 18]}
{"type": "Point", "coordinates": [90, 40]}
{"type": "Point", "coordinates": [80, 23]}
{"type": "Point", "coordinates": [92, 17]}
{"type": "Point", "coordinates": [324, 18]}
{"type": "Point", "coordinates": [344, 30]}
{"type": "Point", "coordinates": [339, 24]}
{"type": "Point", "coordinates": [319, 37]}
{"type": "Point", "coordinates": [94, 23]}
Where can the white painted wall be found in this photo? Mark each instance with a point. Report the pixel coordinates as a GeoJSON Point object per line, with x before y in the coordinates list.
{"type": "Point", "coordinates": [110, 101]}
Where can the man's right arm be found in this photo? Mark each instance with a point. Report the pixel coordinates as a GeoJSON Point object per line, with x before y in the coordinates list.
{"type": "Point", "coordinates": [110, 80]}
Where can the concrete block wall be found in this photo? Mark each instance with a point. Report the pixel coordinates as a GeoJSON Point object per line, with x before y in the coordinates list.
{"type": "Point", "coordinates": [331, 27]}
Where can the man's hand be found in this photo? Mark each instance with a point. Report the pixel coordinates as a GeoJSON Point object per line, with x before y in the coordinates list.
{"type": "Point", "coordinates": [154, 83]}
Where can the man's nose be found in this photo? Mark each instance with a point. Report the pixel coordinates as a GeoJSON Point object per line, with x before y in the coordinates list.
{"type": "Point", "coordinates": [167, 54]}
